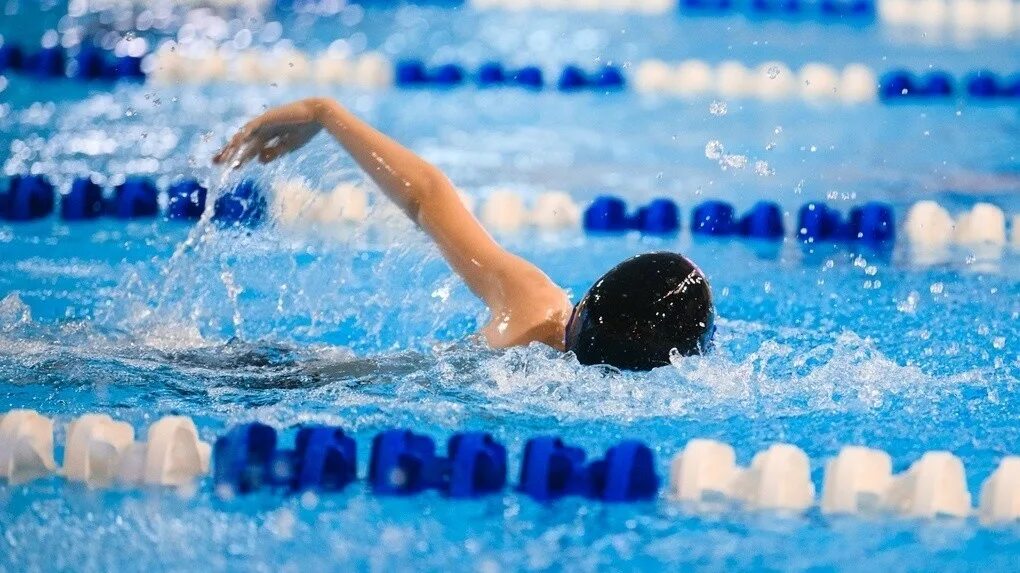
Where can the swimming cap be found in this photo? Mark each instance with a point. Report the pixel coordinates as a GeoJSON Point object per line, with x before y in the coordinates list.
{"type": "Point", "coordinates": [642, 309]}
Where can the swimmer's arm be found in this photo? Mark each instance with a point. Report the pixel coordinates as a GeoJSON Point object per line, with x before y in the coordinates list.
{"type": "Point", "coordinates": [499, 278]}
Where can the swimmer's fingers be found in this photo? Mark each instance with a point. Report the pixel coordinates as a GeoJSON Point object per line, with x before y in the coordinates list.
{"type": "Point", "coordinates": [294, 138]}
{"type": "Point", "coordinates": [249, 150]}
{"type": "Point", "coordinates": [277, 147]}
{"type": "Point", "coordinates": [231, 149]}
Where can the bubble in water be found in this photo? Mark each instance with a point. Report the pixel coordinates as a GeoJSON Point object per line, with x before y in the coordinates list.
{"type": "Point", "coordinates": [714, 149]}
{"type": "Point", "coordinates": [717, 108]}
{"type": "Point", "coordinates": [999, 343]}
{"type": "Point", "coordinates": [763, 168]}
{"type": "Point", "coordinates": [937, 288]}
{"type": "Point", "coordinates": [772, 71]}
{"type": "Point", "coordinates": [909, 305]}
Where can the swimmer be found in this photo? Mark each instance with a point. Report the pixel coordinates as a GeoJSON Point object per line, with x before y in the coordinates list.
{"type": "Point", "coordinates": [632, 318]}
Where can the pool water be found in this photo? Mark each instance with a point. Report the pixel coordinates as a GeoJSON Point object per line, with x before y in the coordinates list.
{"type": "Point", "coordinates": [368, 328]}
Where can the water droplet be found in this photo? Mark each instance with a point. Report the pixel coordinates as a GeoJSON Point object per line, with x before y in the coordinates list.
{"type": "Point", "coordinates": [735, 161]}
{"type": "Point", "coordinates": [772, 71]}
{"type": "Point", "coordinates": [714, 149]}
{"type": "Point", "coordinates": [763, 168]}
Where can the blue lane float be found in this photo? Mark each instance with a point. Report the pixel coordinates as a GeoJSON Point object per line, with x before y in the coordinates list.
{"type": "Point", "coordinates": [609, 215]}
{"type": "Point", "coordinates": [245, 204]}
{"type": "Point", "coordinates": [859, 11]}
{"type": "Point", "coordinates": [12, 57]}
{"type": "Point", "coordinates": [490, 74]}
{"type": "Point", "coordinates": [816, 222]}
{"type": "Point", "coordinates": [979, 85]}
{"type": "Point", "coordinates": [186, 200]}
{"type": "Point", "coordinates": [402, 463]}
{"type": "Point", "coordinates": [873, 223]}
{"type": "Point", "coordinates": [763, 221]}
{"type": "Point", "coordinates": [84, 201]}
{"type": "Point", "coordinates": [529, 77]}
{"type": "Point", "coordinates": [48, 62]}
{"type": "Point", "coordinates": [136, 197]}
{"type": "Point", "coordinates": [324, 459]}
{"type": "Point", "coordinates": [574, 78]}
{"type": "Point", "coordinates": [247, 459]}
{"type": "Point", "coordinates": [626, 474]}
{"type": "Point", "coordinates": [714, 218]}
{"type": "Point", "coordinates": [28, 197]}
{"type": "Point", "coordinates": [243, 459]}
{"type": "Point", "coordinates": [606, 215]}
{"type": "Point", "coordinates": [936, 84]}
{"type": "Point", "coordinates": [476, 465]}
{"type": "Point", "coordinates": [414, 73]}
{"type": "Point", "coordinates": [90, 63]}
{"type": "Point", "coordinates": [551, 469]}
{"type": "Point", "coordinates": [659, 217]}
{"type": "Point", "coordinates": [86, 62]}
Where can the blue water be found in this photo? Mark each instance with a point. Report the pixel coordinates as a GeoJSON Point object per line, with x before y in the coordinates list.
{"type": "Point", "coordinates": [904, 351]}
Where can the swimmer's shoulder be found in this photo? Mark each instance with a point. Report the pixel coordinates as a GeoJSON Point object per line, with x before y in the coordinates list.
{"type": "Point", "coordinates": [538, 315]}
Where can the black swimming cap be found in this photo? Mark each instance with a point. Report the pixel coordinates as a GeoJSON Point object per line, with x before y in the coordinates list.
{"type": "Point", "coordinates": [640, 310]}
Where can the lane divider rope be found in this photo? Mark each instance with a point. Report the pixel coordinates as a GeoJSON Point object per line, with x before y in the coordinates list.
{"type": "Point", "coordinates": [293, 203]}
{"type": "Point", "coordinates": [102, 452]}
{"type": "Point", "coordinates": [770, 81]}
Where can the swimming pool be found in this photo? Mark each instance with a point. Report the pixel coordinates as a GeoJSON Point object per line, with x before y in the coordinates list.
{"type": "Point", "coordinates": [365, 327]}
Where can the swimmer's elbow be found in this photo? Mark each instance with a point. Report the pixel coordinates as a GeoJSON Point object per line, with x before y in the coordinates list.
{"type": "Point", "coordinates": [428, 191]}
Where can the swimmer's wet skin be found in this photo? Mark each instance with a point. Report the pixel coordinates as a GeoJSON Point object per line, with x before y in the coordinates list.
{"type": "Point", "coordinates": [632, 318]}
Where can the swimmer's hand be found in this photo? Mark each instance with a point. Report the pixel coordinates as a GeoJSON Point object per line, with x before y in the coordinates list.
{"type": "Point", "coordinates": [272, 134]}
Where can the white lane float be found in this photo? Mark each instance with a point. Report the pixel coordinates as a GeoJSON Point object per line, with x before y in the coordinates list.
{"type": "Point", "coordinates": [933, 486]}
{"type": "Point", "coordinates": [330, 68]}
{"type": "Point", "coordinates": [779, 478]}
{"type": "Point", "coordinates": [983, 224]}
{"type": "Point", "coordinates": [26, 446]}
{"type": "Point", "coordinates": [504, 211]}
{"type": "Point", "coordinates": [856, 480]}
{"type": "Point", "coordinates": [966, 18]}
{"type": "Point", "coordinates": [858, 84]}
{"type": "Point", "coordinates": [348, 203]}
{"type": "Point", "coordinates": [652, 76]}
{"type": "Point", "coordinates": [173, 455]}
{"type": "Point", "coordinates": [555, 210]}
{"type": "Point", "coordinates": [733, 79]}
{"type": "Point", "coordinates": [928, 224]}
{"type": "Point", "coordinates": [95, 444]}
{"type": "Point", "coordinates": [704, 470]}
{"type": "Point", "coordinates": [775, 81]}
{"type": "Point", "coordinates": [818, 82]}
{"type": "Point", "coordinates": [770, 81]}
{"type": "Point", "coordinates": [693, 77]}
{"type": "Point", "coordinates": [169, 65]}
{"type": "Point", "coordinates": [1000, 493]}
